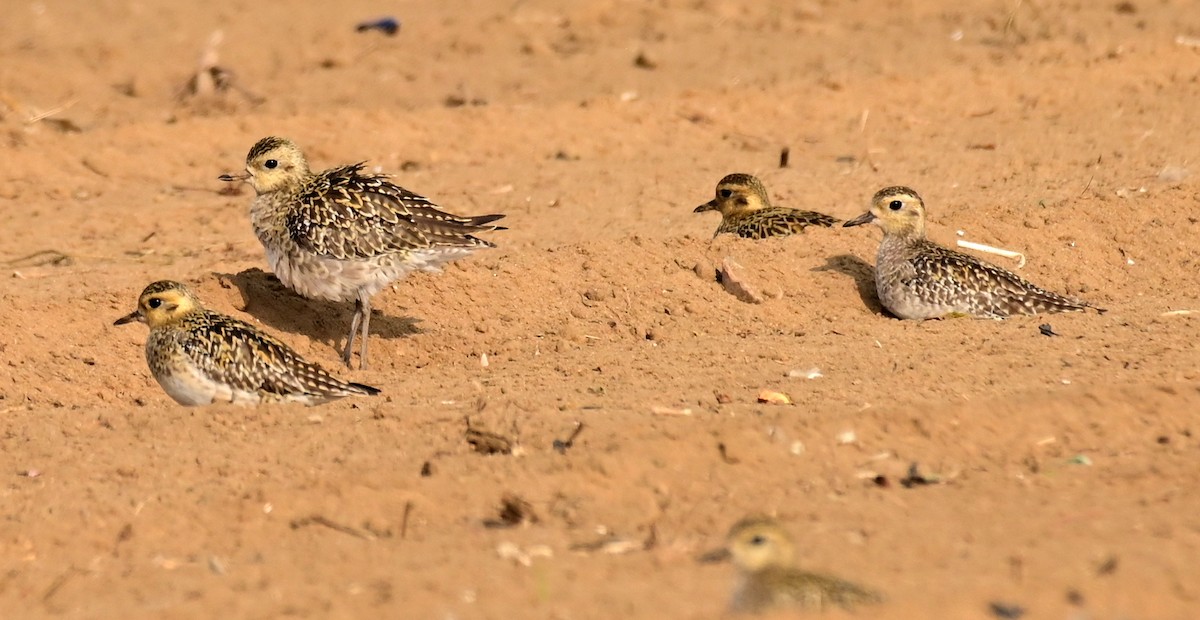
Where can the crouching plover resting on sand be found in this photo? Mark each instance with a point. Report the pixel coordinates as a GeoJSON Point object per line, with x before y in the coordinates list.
{"type": "Point", "coordinates": [919, 279]}
{"type": "Point", "coordinates": [762, 552]}
{"type": "Point", "coordinates": [201, 357]}
{"type": "Point", "coordinates": [746, 211]}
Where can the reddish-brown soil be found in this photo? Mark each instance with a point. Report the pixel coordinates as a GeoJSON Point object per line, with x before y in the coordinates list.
{"type": "Point", "coordinates": [1067, 465]}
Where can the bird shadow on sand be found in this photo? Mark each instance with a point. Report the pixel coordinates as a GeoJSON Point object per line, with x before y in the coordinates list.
{"type": "Point", "coordinates": [863, 274]}
{"type": "Point", "coordinates": [278, 307]}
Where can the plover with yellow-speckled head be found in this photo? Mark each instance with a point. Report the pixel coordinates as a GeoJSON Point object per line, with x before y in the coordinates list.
{"type": "Point", "coordinates": [342, 234]}
{"type": "Point", "coordinates": [763, 553]}
{"type": "Point", "coordinates": [919, 279]}
{"type": "Point", "coordinates": [746, 211]}
{"type": "Point", "coordinates": [200, 357]}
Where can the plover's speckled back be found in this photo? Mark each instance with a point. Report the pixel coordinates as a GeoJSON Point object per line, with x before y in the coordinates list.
{"type": "Point", "coordinates": [746, 211]}
{"type": "Point", "coordinates": [763, 553]}
{"type": "Point", "coordinates": [343, 234]}
{"type": "Point", "coordinates": [200, 357]}
{"type": "Point", "coordinates": [919, 279]}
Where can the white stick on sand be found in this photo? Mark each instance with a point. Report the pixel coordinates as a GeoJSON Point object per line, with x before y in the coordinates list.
{"type": "Point", "coordinates": [971, 245]}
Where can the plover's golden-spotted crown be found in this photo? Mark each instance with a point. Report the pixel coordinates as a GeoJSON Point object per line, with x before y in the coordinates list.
{"type": "Point", "coordinates": [746, 210]}
{"type": "Point", "coordinates": [763, 553]}
{"type": "Point", "coordinates": [919, 279]}
{"type": "Point", "coordinates": [199, 356]}
{"type": "Point", "coordinates": [344, 234]}
{"type": "Point", "coordinates": [274, 164]}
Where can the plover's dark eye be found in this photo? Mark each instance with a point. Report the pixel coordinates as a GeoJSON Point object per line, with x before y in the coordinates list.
{"type": "Point", "coordinates": [758, 539]}
{"type": "Point", "coordinates": [896, 205]}
{"type": "Point", "coordinates": [725, 193]}
{"type": "Point", "coordinates": [154, 302]}
{"type": "Point", "coordinates": [271, 164]}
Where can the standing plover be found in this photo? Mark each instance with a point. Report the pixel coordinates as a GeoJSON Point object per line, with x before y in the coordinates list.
{"type": "Point", "coordinates": [342, 234]}
{"type": "Point", "coordinates": [200, 357]}
{"type": "Point", "coordinates": [746, 211]}
{"type": "Point", "coordinates": [919, 279]}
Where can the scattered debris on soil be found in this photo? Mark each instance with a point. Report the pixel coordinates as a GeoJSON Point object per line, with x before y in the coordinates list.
{"type": "Point", "coordinates": [210, 78]}
{"type": "Point", "coordinates": [915, 478]}
{"type": "Point", "coordinates": [561, 446]}
{"type": "Point", "coordinates": [333, 525]}
{"type": "Point", "coordinates": [513, 511]}
{"type": "Point", "coordinates": [387, 25]}
{"type": "Point", "coordinates": [486, 442]}
{"type": "Point", "coordinates": [1007, 611]}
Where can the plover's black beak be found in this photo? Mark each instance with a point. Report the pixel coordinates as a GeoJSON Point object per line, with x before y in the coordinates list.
{"type": "Point", "coordinates": [860, 220]}
{"type": "Point", "coordinates": [129, 318]}
{"type": "Point", "coordinates": [714, 556]}
{"type": "Point", "coordinates": [708, 206]}
{"type": "Point", "coordinates": [229, 178]}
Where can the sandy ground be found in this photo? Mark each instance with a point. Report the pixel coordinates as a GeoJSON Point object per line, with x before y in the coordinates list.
{"type": "Point", "coordinates": [1066, 465]}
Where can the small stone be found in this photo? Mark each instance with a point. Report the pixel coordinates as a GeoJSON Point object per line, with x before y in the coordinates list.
{"type": "Point", "coordinates": [1006, 611]}
{"type": "Point", "coordinates": [771, 397]}
{"type": "Point", "coordinates": [736, 281]}
{"type": "Point", "coordinates": [642, 61]}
